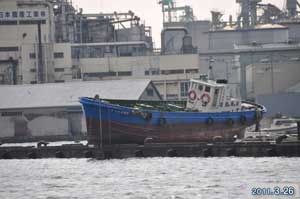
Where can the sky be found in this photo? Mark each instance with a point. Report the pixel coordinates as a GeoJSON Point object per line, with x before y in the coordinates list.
{"type": "Point", "coordinates": [150, 12]}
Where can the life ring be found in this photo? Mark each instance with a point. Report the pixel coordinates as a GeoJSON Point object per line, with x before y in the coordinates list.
{"type": "Point", "coordinates": [192, 95]}
{"type": "Point", "coordinates": [205, 98]}
{"type": "Point", "coordinates": [209, 121]}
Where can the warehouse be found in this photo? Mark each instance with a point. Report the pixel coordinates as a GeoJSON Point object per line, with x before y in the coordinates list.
{"type": "Point", "coordinates": [43, 110]}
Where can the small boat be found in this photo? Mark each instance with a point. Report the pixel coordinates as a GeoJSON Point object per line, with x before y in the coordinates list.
{"type": "Point", "coordinates": [210, 113]}
{"type": "Point", "coordinates": [280, 126]}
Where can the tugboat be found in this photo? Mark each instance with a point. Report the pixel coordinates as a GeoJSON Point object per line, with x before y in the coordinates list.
{"type": "Point", "coordinates": [210, 113]}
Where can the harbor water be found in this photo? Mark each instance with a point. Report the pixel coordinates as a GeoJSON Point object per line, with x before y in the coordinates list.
{"type": "Point", "coordinates": [160, 178]}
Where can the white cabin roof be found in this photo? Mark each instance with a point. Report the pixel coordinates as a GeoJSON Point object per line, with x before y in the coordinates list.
{"type": "Point", "coordinates": [208, 83]}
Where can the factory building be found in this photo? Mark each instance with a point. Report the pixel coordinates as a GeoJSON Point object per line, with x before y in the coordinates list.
{"type": "Point", "coordinates": [46, 41]}
{"type": "Point", "coordinates": [38, 39]}
{"type": "Point", "coordinates": [45, 110]}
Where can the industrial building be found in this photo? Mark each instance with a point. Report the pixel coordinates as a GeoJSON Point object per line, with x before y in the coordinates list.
{"type": "Point", "coordinates": [42, 110]}
{"type": "Point", "coordinates": [284, 102]}
{"type": "Point", "coordinates": [46, 41]}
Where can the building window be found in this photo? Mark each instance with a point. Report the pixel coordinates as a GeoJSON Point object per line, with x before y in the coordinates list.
{"type": "Point", "coordinates": [11, 114]}
{"type": "Point", "coordinates": [155, 72]}
{"type": "Point", "coordinates": [36, 14]}
{"type": "Point", "coordinates": [147, 73]}
{"type": "Point", "coordinates": [59, 81]}
{"type": "Point", "coordinates": [32, 55]}
{"type": "Point", "coordinates": [59, 70]}
{"type": "Point", "coordinates": [43, 13]}
{"type": "Point", "coordinates": [172, 72]}
{"type": "Point", "coordinates": [7, 23]}
{"type": "Point", "coordinates": [192, 71]}
{"type": "Point", "coordinates": [100, 75]}
{"type": "Point", "coordinates": [150, 92]}
{"type": "Point", "coordinates": [21, 14]}
{"type": "Point", "coordinates": [58, 55]}
{"type": "Point", "coordinates": [15, 14]}
{"type": "Point", "coordinates": [184, 88]}
{"type": "Point", "coordinates": [30, 22]}
{"type": "Point", "coordinates": [125, 73]}
{"type": "Point", "coordinates": [33, 70]}
{"type": "Point", "coordinates": [1, 15]}
{"type": "Point", "coordinates": [8, 49]}
{"type": "Point", "coordinates": [76, 73]}
{"type": "Point", "coordinates": [7, 14]}
{"type": "Point", "coordinates": [28, 14]}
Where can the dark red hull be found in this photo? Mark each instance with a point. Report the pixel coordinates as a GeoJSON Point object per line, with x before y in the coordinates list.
{"type": "Point", "coordinates": [120, 133]}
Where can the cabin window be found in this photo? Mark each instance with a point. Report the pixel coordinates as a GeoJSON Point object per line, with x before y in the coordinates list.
{"type": "Point", "coordinates": [200, 88]}
{"type": "Point", "coordinates": [207, 89]}
{"type": "Point", "coordinates": [193, 85]}
{"type": "Point", "coordinates": [216, 96]}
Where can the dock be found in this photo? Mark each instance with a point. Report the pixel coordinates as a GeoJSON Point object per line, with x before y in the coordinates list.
{"type": "Point", "coordinates": [259, 149]}
{"type": "Point", "coordinates": [279, 148]}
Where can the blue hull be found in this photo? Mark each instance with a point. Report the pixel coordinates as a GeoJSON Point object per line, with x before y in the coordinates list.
{"type": "Point", "coordinates": [118, 124]}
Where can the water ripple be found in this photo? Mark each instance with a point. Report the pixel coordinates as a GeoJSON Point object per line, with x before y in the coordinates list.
{"type": "Point", "coordinates": [163, 178]}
